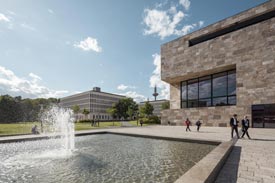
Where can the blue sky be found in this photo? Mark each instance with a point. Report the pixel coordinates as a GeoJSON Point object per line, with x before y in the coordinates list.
{"type": "Point", "coordinates": [57, 48]}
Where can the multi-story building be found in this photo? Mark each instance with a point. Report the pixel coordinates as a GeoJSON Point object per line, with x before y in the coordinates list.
{"type": "Point", "coordinates": [223, 69]}
{"type": "Point", "coordinates": [95, 101]}
{"type": "Point", "coordinates": [157, 104]}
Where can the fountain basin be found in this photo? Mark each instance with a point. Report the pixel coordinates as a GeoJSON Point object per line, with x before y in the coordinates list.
{"type": "Point", "coordinates": [100, 158]}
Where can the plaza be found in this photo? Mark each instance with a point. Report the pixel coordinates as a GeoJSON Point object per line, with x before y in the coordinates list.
{"type": "Point", "coordinates": [249, 161]}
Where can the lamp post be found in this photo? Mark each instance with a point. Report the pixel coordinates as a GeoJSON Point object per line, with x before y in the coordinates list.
{"type": "Point", "coordinates": [137, 117]}
{"type": "Point", "coordinates": [41, 123]}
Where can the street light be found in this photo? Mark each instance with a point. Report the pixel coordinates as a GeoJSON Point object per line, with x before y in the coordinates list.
{"type": "Point", "coordinates": [41, 123]}
{"type": "Point", "coordinates": [137, 116]}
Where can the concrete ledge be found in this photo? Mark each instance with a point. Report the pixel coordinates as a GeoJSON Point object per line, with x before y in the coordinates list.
{"type": "Point", "coordinates": [207, 169]}
{"type": "Point", "coordinates": [10, 139]}
{"type": "Point", "coordinates": [22, 138]}
{"type": "Point", "coordinates": [198, 141]}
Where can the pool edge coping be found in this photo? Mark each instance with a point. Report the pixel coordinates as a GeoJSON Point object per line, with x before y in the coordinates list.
{"type": "Point", "coordinates": [206, 170]}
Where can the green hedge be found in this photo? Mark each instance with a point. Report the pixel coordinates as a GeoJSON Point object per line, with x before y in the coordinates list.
{"type": "Point", "coordinates": [152, 120]}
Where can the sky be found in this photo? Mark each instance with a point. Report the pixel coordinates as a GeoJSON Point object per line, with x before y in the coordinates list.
{"type": "Point", "coordinates": [52, 48]}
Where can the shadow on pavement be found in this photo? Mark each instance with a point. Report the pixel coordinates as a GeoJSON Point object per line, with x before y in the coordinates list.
{"type": "Point", "coordinates": [263, 139]}
{"type": "Point", "coordinates": [229, 172]}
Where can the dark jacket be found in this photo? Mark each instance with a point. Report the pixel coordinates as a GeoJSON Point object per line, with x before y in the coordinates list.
{"type": "Point", "coordinates": [232, 122]}
{"type": "Point", "coordinates": [243, 123]}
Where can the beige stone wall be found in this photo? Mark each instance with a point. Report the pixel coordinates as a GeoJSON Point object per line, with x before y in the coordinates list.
{"type": "Point", "coordinates": [250, 50]}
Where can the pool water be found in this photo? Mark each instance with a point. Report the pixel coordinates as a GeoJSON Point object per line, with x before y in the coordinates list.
{"type": "Point", "coordinates": [99, 158]}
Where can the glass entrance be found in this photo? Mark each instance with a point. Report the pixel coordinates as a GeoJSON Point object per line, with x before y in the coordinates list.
{"type": "Point", "coordinates": [263, 116]}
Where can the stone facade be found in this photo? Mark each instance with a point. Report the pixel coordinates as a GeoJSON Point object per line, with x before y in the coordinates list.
{"type": "Point", "coordinates": [249, 50]}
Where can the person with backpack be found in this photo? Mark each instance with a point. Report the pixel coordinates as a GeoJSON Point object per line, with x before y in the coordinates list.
{"type": "Point", "coordinates": [198, 123]}
{"type": "Point", "coordinates": [188, 123]}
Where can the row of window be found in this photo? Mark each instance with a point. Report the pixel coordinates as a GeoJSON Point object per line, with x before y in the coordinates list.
{"type": "Point", "coordinates": [212, 90]}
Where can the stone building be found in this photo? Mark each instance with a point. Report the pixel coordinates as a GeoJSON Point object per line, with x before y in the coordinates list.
{"type": "Point", "coordinates": [95, 101]}
{"type": "Point", "coordinates": [225, 68]}
{"type": "Point", "coordinates": [157, 104]}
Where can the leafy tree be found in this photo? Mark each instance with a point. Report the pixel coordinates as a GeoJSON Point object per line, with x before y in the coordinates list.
{"type": "Point", "coordinates": [85, 112]}
{"type": "Point", "coordinates": [10, 109]}
{"type": "Point", "coordinates": [125, 107]}
{"type": "Point", "coordinates": [132, 110]}
{"type": "Point", "coordinates": [165, 105]}
{"type": "Point", "coordinates": [147, 109]}
{"type": "Point", "coordinates": [76, 110]}
{"type": "Point", "coordinates": [16, 109]}
{"type": "Point", "coordinates": [112, 111]}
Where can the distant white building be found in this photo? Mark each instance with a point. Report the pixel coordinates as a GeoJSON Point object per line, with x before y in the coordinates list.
{"type": "Point", "coordinates": [95, 101]}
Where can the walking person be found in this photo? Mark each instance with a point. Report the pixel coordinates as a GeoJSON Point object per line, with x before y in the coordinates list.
{"type": "Point", "coordinates": [141, 122]}
{"type": "Point", "coordinates": [188, 123]}
{"type": "Point", "coordinates": [234, 125]}
{"type": "Point", "coordinates": [198, 123]}
{"type": "Point", "coordinates": [245, 126]}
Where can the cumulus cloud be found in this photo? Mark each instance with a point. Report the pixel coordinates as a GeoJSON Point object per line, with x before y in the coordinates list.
{"type": "Point", "coordinates": [27, 26]}
{"type": "Point", "coordinates": [30, 87]}
{"type": "Point", "coordinates": [155, 79]}
{"type": "Point", "coordinates": [136, 96]}
{"type": "Point", "coordinates": [89, 44]}
{"type": "Point", "coordinates": [124, 87]}
{"type": "Point", "coordinates": [185, 4]}
{"type": "Point", "coordinates": [164, 23]}
{"type": "Point", "coordinates": [50, 11]}
{"type": "Point", "coordinates": [4, 18]}
{"type": "Point", "coordinates": [201, 23]}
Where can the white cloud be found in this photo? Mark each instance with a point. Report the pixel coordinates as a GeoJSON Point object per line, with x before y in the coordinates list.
{"type": "Point", "coordinates": [28, 27]}
{"type": "Point", "coordinates": [164, 23]}
{"type": "Point", "coordinates": [4, 18]}
{"type": "Point", "coordinates": [11, 12]}
{"type": "Point", "coordinates": [155, 79]}
{"type": "Point", "coordinates": [201, 23]}
{"type": "Point", "coordinates": [50, 11]}
{"type": "Point", "coordinates": [136, 96]}
{"type": "Point", "coordinates": [89, 44]}
{"type": "Point", "coordinates": [124, 87]}
{"type": "Point", "coordinates": [185, 3]}
{"type": "Point", "coordinates": [161, 23]}
{"type": "Point", "coordinates": [27, 88]}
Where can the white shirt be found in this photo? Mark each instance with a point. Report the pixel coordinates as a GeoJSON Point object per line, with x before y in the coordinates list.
{"type": "Point", "coordinates": [235, 121]}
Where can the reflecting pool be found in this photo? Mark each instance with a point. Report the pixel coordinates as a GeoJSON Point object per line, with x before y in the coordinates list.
{"type": "Point", "coordinates": [99, 158]}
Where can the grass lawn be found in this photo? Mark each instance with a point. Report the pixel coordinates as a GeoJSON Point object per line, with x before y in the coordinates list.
{"type": "Point", "coordinates": [17, 128]}
{"type": "Point", "coordinates": [25, 127]}
{"type": "Point", "coordinates": [87, 126]}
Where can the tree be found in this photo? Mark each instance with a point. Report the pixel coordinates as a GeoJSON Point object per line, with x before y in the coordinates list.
{"type": "Point", "coordinates": [16, 109]}
{"type": "Point", "coordinates": [132, 110]}
{"type": "Point", "coordinates": [112, 111]}
{"type": "Point", "coordinates": [147, 109]}
{"type": "Point", "coordinates": [76, 110]}
{"type": "Point", "coordinates": [125, 107]}
{"type": "Point", "coordinates": [85, 112]}
{"type": "Point", "coordinates": [10, 109]}
{"type": "Point", "coordinates": [165, 105]}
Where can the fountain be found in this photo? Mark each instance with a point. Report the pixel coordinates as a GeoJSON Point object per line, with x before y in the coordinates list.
{"type": "Point", "coordinates": [59, 122]}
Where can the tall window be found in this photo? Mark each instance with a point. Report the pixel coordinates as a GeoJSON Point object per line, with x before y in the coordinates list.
{"type": "Point", "coordinates": [205, 91]}
{"type": "Point", "coordinates": [212, 90]}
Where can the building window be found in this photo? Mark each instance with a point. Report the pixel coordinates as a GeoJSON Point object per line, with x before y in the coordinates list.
{"type": "Point", "coordinates": [212, 90]}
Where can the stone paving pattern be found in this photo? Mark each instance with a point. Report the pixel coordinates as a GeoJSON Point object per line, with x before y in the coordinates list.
{"type": "Point", "coordinates": [250, 160]}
